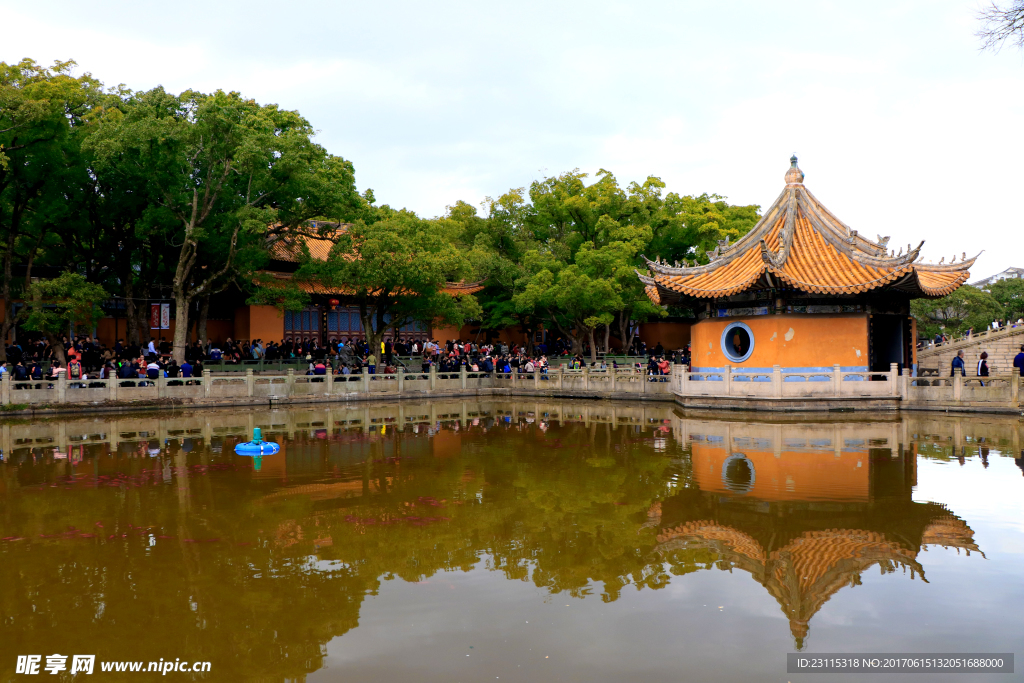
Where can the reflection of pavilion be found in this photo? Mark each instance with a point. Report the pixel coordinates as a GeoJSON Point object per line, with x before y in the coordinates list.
{"type": "Point", "coordinates": [804, 508]}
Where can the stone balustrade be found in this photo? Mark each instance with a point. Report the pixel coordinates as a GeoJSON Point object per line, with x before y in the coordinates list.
{"type": "Point", "coordinates": [249, 388]}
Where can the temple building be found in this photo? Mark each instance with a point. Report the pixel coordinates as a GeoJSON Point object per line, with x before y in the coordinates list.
{"type": "Point", "coordinates": [330, 315]}
{"type": "Point", "coordinates": [804, 291]}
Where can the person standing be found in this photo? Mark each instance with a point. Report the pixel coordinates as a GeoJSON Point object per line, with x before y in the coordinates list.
{"type": "Point", "coordinates": [1018, 361]}
{"type": "Point", "coordinates": [983, 366]}
{"type": "Point", "coordinates": [958, 364]}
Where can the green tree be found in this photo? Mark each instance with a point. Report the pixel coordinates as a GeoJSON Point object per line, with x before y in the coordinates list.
{"type": "Point", "coordinates": [1010, 295]}
{"type": "Point", "coordinates": [966, 308]}
{"type": "Point", "coordinates": [42, 111]}
{"type": "Point", "coordinates": [228, 173]}
{"type": "Point", "coordinates": [57, 305]}
{"type": "Point", "coordinates": [395, 270]}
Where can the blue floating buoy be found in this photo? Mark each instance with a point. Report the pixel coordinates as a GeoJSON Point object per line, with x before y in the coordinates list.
{"type": "Point", "coordinates": [257, 447]}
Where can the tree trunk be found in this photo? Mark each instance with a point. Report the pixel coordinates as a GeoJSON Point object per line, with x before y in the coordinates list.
{"type": "Point", "coordinates": [607, 338]}
{"type": "Point", "coordinates": [204, 315]}
{"type": "Point", "coordinates": [131, 312]}
{"type": "Point", "coordinates": [626, 332]}
{"type": "Point", "coordinates": [58, 348]}
{"type": "Point", "coordinates": [593, 346]}
{"type": "Point", "coordinates": [8, 324]}
{"type": "Point", "coordinates": [181, 303]}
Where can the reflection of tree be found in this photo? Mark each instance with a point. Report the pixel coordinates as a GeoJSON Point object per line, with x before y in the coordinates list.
{"type": "Point", "coordinates": [257, 578]}
{"type": "Point", "coordinates": [256, 573]}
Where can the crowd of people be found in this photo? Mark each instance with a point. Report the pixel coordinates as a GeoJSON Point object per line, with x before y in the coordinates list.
{"type": "Point", "coordinates": [86, 357]}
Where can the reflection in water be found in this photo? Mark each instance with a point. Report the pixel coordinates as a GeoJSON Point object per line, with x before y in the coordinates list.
{"type": "Point", "coordinates": [143, 537]}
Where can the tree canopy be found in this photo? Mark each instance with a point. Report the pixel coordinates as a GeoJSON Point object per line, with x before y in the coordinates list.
{"type": "Point", "coordinates": [157, 196]}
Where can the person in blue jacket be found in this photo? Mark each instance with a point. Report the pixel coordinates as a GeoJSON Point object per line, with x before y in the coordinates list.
{"type": "Point", "coordinates": [1018, 361]}
{"type": "Point", "coordinates": [958, 364]}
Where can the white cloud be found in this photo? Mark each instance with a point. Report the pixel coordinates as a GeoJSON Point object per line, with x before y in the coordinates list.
{"type": "Point", "coordinates": [901, 125]}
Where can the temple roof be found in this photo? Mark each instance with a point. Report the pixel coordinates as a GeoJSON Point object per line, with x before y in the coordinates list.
{"type": "Point", "coordinates": [282, 279]}
{"type": "Point", "coordinates": [800, 244]}
{"type": "Point", "coordinates": [289, 249]}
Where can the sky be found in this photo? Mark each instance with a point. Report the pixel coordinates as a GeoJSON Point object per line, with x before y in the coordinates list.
{"type": "Point", "coordinates": [902, 125]}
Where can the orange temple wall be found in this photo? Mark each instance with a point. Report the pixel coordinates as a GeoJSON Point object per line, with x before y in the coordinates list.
{"type": "Point", "coordinates": [788, 341]}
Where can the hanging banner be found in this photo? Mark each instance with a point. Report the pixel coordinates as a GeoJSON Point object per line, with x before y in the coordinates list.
{"type": "Point", "coordinates": [159, 316]}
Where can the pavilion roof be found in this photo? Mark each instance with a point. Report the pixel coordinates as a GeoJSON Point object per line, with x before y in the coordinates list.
{"type": "Point", "coordinates": [800, 244]}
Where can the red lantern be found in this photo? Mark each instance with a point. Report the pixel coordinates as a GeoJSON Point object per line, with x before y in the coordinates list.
{"type": "Point", "coordinates": [334, 302]}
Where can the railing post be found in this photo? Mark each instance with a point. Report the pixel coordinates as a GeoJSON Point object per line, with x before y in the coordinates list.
{"type": "Point", "coordinates": [161, 384]}
{"type": "Point", "coordinates": [400, 374]}
{"type": "Point", "coordinates": [250, 382]}
{"type": "Point", "coordinates": [112, 384]}
{"type": "Point", "coordinates": [207, 382]}
{"type": "Point", "coordinates": [611, 379]}
{"type": "Point", "coordinates": [727, 379]}
{"type": "Point", "coordinates": [462, 376]}
{"type": "Point", "coordinates": [561, 374]}
{"type": "Point", "coordinates": [958, 386]}
{"type": "Point", "coordinates": [5, 388]}
{"type": "Point", "coordinates": [894, 374]}
{"type": "Point", "coordinates": [366, 380]}
{"type": "Point", "coordinates": [62, 388]}
{"type": "Point", "coordinates": [682, 378]}
{"type": "Point", "coordinates": [837, 380]}
{"type": "Point", "coordinates": [1015, 387]}
{"type": "Point", "coordinates": [586, 378]}
{"type": "Point", "coordinates": [433, 377]}
{"type": "Point", "coordinates": [289, 383]}
{"type": "Point", "coordinates": [329, 379]}
{"type": "Point", "coordinates": [777, 381]}
{"type": "Point", "coordinates": [905, 384]}
{"type": "Point", "coordinates": [536, 379]}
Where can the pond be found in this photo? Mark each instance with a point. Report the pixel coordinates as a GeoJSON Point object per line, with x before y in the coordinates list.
{"type": "Point", "coordinates": [508, 541]}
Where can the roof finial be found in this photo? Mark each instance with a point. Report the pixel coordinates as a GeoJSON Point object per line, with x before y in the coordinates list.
{"type": "Point", "coordinates": [794, 176]}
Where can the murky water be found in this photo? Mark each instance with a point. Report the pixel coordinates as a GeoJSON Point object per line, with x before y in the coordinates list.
{"type": "Point", "coordinates": [509, 541]}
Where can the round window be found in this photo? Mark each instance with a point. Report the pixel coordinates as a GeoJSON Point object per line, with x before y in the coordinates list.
{"type": "Point", "coordinates": [738, 473]}
{"type": "Point", "coordinates": [737, 342]}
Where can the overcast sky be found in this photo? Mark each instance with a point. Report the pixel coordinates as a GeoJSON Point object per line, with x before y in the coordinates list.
{"type": "Point", "coordinates": [902, 126]}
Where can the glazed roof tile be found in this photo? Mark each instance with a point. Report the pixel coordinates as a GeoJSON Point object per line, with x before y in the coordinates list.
{"type": "Point", "coordinates": [801, 244]}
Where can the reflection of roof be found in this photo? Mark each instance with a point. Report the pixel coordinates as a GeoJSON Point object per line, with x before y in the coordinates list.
{"type": "Point", "coordinates": [804, 573]}
{"type": "Point", "coordinates": [801, 244]}
{"type": "Point", "coordinates": [950, 532]}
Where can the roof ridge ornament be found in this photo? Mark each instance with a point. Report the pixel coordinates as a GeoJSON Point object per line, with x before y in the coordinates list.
{"type": "Point", "coordinates": [794, 176]}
